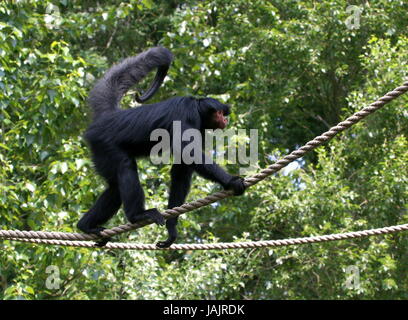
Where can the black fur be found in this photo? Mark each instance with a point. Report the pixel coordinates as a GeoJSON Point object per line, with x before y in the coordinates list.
{"type": "Point", "coordinates": [108, 91]}
{"type": "Point", "coordinates": [118, 137]}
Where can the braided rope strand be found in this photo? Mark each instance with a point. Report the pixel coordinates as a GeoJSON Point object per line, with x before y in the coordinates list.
{"type": "Point", "coordinates": [225, 245]}
{"type": "Point", "coordinates": [176, 211]}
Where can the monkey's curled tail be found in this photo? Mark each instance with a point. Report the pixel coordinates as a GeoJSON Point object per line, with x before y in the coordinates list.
{"type": "Point", "coordinates": [109, 90]}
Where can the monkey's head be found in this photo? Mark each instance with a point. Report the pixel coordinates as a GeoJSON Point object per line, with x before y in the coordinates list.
{"type": "Point", "coordinates": [213, 113]}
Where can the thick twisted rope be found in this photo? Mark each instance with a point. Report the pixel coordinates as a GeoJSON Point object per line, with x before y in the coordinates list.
{"type": "Point", "coordinates": [174, 212]}
{"type": "Point", "coordinates": [226, 245]}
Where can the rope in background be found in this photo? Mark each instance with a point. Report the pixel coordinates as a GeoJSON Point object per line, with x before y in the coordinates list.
{"type": "Point", "coordinates": [43, 236]}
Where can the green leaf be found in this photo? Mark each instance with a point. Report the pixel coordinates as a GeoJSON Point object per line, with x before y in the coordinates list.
{"type": "Point", "coordinates": [148, 3]}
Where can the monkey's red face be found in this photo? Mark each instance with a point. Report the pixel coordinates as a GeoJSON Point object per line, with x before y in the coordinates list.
{"type": "Point", "coordinates": [220, 120]}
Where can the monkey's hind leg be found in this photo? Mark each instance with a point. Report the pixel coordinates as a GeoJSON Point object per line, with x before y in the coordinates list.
{"type": "Point", "coordinates": [104, 208]}
{"type": "Point", "coordinates": [132, 194]}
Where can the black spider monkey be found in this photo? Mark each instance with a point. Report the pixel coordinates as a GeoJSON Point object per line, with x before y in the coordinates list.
{"type": "Point", "coordinates": [118, 137]}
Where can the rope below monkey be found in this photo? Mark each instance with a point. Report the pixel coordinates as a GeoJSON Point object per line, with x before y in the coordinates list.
{"type": "Point", "coordinates": [225, 245]}
{"type": "Point", "coordinates": [61, 238]}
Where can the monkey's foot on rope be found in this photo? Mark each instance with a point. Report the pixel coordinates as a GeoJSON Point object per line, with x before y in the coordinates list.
{"type": "Point", "coordinates": [101, 243]}
{"type": "Point", "coordinates": [151, 214]}
{"type": "Point", "coordinates": [97, 231]}
{"type": "Point", "coordinates": [165, 244]}
{"type": "Point", "coordinates": [104, 240]}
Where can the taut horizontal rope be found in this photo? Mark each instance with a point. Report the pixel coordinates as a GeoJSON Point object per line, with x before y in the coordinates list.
{"type": "Point", "coordinates": [174, 212]}
{"type": "Point", "coordinates": [226, 245]}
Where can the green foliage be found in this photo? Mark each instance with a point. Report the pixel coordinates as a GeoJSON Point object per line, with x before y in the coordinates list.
{"type": "Point", "coordinates": [290, 69]}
